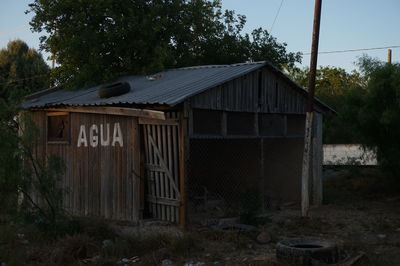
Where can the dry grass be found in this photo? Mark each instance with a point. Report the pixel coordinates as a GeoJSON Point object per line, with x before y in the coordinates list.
{"type": "Point", "coordinates": [361, 223]}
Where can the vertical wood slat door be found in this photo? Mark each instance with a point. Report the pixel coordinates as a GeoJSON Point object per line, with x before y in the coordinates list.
{"type": "Point", "coordinates": [161, 146]}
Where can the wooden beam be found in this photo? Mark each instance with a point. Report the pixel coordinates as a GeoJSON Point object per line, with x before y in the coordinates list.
{"type": "Point", "coordinates": [224, 125]}
{"type": "Point", "coordinates": [167, 122]}
{"type": "Point", "coordinates": [110, 111]}
{"type": "Point", "coordinates": [165, 201]}
{"type": "Point", "coordinates": [256, 126]}
{"type": "Point", "coordinates": [183, 159]}
{"type": "Point", "coordinates": [56, 113]}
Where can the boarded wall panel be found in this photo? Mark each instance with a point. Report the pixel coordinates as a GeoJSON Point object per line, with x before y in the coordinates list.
{"type": "Point", "coordinates": [269, 93]}
{"type": "Point", "coordinates": [101, 180]}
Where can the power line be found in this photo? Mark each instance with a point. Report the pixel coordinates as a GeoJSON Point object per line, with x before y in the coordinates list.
{"type": "Point", "coordinates": [16, 80]}
{"type": "Point", "coordinates": [355, 50]}
{"type": "Point", "coordinates": [276, 16]}
{"type": "Point", "coordinates": [14, 30]}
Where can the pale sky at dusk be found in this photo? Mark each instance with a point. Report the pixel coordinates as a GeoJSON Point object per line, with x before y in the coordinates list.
{"type": "Point", "coordinates": [344, 25]}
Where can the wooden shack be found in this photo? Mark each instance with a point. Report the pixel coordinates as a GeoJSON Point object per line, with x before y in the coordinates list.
{"type": "Point", "coordinates": [176, 138]}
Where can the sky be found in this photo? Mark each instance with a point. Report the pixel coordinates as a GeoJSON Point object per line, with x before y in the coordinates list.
{"type": "Point", "coordinates": [345, 24]}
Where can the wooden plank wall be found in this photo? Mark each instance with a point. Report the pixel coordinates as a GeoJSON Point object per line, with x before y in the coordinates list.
{"type": "Point", "coordinates": [101, 181]}
{"type": "Point", "coordinates": [258, 91]}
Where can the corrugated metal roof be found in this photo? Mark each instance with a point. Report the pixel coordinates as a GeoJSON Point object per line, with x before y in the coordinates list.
{"type": "Point", "coordinates": [172, 87]}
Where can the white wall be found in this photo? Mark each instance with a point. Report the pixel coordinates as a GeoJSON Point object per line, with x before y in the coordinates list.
{"type": "Point", "coordinates": [346, 154]}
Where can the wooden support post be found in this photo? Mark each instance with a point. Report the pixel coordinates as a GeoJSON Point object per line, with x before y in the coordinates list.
{"type": "Point", "coordinates": [305, 194]}
{"type": "Point", "coordinates": [256, 125]}
{"type": "Point", "coordinates": [305, 179]}
{"type": "Point", "coordinates": [224, 128]}
{"type": "Point", "coordinates": [262, 174]}
{"type": "Point", "coordinates": [183, 160]}
{"type": "Point", "coordinates": [137, 180]}
{"type": "Point", "coordinates": [389, 56]}
{"type": "Point", "coordinates": [284, 125]}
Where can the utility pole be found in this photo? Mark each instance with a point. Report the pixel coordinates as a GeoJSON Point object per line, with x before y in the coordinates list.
{"type": "Point", "coordinates": [306, 171]}
{"type": "Point", "coordinates": [389, 59]}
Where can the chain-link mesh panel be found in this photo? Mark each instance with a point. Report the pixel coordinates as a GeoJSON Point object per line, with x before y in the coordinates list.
{"type": "Point", "coordinates": [225, 178]}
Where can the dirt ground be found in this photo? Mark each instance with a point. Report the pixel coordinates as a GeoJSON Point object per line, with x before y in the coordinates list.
{"type": "Point", "coordinates": [357, 212]}
{"type": "Point", "coordinates": [360, 212]}
{"type": "Point", "coordinates": [369, 226]}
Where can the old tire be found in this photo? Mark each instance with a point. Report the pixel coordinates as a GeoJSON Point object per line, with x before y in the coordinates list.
{"type": "Point", "coordinates": [302, 251]}
{"type": "Point", "coordinates": [114, 89]}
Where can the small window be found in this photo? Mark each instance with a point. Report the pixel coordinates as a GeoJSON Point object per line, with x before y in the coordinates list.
{"type": "Point", "coordinates": [240, 123]}
{"type": "Point", "coordinates": [207, 122]}
{"type": "Point", "coordinates": [58, 127]}
{"type": "Point", "coordinates": [296, 125]}
{"type": "Point", "coordinates": [271, 124]}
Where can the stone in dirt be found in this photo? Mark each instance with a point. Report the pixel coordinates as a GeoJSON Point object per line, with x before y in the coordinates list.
{"type": "Point", "coordinates": [167, 262]}
{"type": "Point", "coordinates": [107, 243]}
{"type": "Point", "coordinates": [264, 238]}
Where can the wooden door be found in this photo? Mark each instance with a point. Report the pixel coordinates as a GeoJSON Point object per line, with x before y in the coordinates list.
{"type": "Point", "coordinates": [161, 146]}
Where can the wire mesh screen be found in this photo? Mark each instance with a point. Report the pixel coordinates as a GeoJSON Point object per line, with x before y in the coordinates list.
{"type": "Point", "coordinates": [224, 178]}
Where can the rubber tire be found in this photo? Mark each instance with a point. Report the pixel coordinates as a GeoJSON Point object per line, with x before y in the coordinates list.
{"type": "Point", "coordinates": [326, 251]}
{"type": "Point", "coordinates": [114, 89]}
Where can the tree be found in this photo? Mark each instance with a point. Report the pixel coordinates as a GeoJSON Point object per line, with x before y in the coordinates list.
{"type": "Point", "coordinates": [343, 92]}
{"type": "Point", "coordinates": [378, 118]}
{"type": "Point", "coordinates": [96, 41]}
{"type": "Point", "coordinates": [22, 71]}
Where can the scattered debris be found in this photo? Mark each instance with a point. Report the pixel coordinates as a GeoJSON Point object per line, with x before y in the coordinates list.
{"type": "Point", "coordinates": [93, 260]}
{"type": "Point", "coordinates": [236, 227]}
{"type": "Point", "coordinates": [154, 77]}
{"type": "Point", "coordinates": [191, 263]}
{"type": "Point", "coordinates": [353, 260]}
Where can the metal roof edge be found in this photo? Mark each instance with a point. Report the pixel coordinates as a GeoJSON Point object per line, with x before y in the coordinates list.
{"type": "Point", "coordinates": [41, 93]}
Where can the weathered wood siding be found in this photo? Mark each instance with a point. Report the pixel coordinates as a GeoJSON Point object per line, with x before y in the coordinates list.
{"type": "Point", "coordinates": [101, 181]}
{"type": "Point", "coordinates": [258, 91]}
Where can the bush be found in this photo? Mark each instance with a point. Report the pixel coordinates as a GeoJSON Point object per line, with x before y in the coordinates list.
{"type": "Point", "coordinates": [378, 119]}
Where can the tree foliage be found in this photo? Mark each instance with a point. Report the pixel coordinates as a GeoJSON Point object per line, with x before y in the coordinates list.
{"type": "Point", "coordinates": [378, 117]}
{"type": "Point", "coordinates": [340, 90]}
{"type": "Point", "coordinates": [96, 41]}
{"type": "Point", "coordinates": [22, 71]}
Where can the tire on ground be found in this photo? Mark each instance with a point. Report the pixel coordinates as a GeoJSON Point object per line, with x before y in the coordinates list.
{"type": "Point", "coordinates": [302, 251]}
{"type": "Point", "coordinates": [114, 89]}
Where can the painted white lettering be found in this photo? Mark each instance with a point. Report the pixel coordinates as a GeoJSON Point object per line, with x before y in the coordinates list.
{"type": "Point", "coordinates": [105, 141]}
{"type": "Point", "coordinates": [94, 139]}
{"type": "Point", "coordinates": [82, 141]}
{"type": "Point", "coordinates": [117, 135]}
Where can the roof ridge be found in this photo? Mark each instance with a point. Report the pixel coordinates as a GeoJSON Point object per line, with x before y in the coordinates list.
{"type": "Point", "coordinates": [215, 66]}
